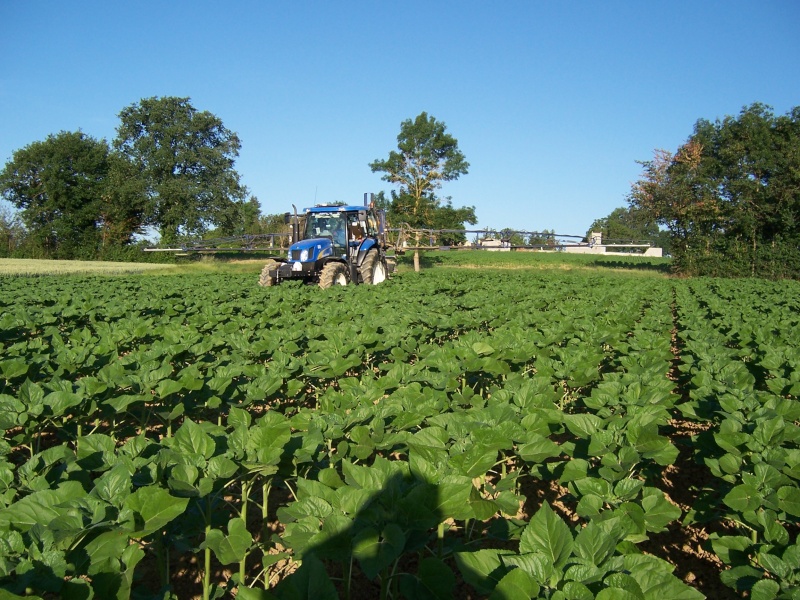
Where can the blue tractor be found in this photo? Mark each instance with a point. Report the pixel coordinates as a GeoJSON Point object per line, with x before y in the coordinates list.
{"type": "Point", "coordinates": [333, 245]}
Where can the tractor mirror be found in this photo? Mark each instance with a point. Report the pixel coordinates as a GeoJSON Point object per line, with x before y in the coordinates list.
{"type": "Point", "coordinates": [362, 215]}
{"type": "Point", "coordinates": [287, 218]}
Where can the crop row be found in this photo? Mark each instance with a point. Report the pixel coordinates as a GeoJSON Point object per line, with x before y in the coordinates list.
{"type": "Point", "coordinates": [741, 363]}
{"type": "Point", "coordinates": [380, 437]}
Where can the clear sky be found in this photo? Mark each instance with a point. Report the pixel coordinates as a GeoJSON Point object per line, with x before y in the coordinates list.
{"type": "Point", "coordinates": [551, 102]}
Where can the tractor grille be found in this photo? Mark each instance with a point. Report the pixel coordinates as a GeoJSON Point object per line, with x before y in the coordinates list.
{"type": "Point", "coordinates": [296, 254]}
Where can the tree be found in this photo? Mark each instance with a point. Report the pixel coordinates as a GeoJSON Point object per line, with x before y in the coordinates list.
{"type": "Point", "coordinates": [626, 225]}
{"type": "Point", "coordinates": [273, 223]}
{"type": "Point", "coordinates": [185, 159]}
{"type": "Point", "coordinates": [425, 158]}
{"type": "Point", "coordinates": [11, 231]}
{"type": "Point", "coordinates": [251, 215]}
{"type": "Point", "coordinates": [57, 184]}
{"type": "Point", "coordinates": [730, 196]}
{"type": "Point", "coordinates": [446, 216]}
{"type": "Point", "coordinates": [123, 206]}
{"type": "Point", "coordinates": [512, 236]}
{"type": "Point", "coordinates": [545, 238]}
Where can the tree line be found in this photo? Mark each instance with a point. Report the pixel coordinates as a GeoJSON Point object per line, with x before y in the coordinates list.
{"type": "Point", "coordinates": [726, 203]}
{"type": "Point", "coordinates": [727, 200]}
{"type": "Point", "coordinates": [170, 168]}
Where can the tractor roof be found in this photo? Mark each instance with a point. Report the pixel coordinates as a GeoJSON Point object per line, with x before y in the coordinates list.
{"type": "Point", "coordinates": [332, 208]}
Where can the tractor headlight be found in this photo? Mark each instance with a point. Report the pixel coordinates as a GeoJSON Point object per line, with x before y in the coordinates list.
{"type": "Point", "coordinates": [304, 255]}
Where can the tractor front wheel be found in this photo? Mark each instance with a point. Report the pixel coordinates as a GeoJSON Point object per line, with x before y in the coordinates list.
{"type": "Point", "coordinates": [334, 273]}
{"type": "Point", "coordinates": [265, 280]}
{"type": "Point", "coordinates": [373, 269]}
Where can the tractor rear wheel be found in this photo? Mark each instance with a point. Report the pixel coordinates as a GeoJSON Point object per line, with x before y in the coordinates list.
{"type": "Point", "coordinates": [373, 269]}
{"type": "Point", "coordinates": [334, 273]}
{"type": "Point", "coordinates": [265, 280]}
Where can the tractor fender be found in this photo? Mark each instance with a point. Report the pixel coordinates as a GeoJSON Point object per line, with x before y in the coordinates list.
{"type": "Point", "coordinates": [329, 259]}
{"type": "Point", "coordinates": [367, 245]}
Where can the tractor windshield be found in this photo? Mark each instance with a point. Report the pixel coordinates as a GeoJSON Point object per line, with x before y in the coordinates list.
{"type": "Point", "coordinates": [330, 225]}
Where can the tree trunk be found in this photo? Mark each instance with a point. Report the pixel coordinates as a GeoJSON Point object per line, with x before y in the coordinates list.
{"type": "Point", "coordinates": [416, 251]}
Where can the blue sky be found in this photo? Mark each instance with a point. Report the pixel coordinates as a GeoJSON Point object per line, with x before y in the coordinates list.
{"type": "Point", "coordinates": [552, 102]}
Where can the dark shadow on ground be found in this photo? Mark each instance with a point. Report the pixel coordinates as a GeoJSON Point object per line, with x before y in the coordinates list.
{"type": "Point", "coordinates": [426, 260]}
{"type": "Point", "coordinates": [378, 543]}
{"type": "Point", "coordinates": [636, 264]}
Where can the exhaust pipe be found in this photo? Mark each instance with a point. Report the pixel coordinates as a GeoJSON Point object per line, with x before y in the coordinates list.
{"type": "Point", "coordinates": [295, 226]}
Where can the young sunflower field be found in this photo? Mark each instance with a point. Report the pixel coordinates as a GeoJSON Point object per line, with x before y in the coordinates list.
{"type": "Point", "coordinates": [459, 433]}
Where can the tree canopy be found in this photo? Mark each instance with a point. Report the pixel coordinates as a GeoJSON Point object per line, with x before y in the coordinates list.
{"type": "Point", "coordinates": [730, 195]}
{"type": "Point", "coordinates": [185, 161]}
{"type": "Point", "coordinates": [58, 186]}
{"type": "Point", "coordinates": [545, 238]}
{"type": "Point", "coordinates": [425, 158]}
{"type": "Point", "coordinates": [171, 167]}
{"type": "Point", "coordinates": [630, 224]}
{"type": "Point", "coordinates": [11, 231]}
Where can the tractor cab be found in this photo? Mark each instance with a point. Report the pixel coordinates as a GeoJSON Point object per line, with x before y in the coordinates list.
{"type": "Point", "coordinates": [330, 226]}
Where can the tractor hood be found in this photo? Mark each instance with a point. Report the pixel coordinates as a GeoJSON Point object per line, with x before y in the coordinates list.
{"type": "Point", "coordinates": [310, 249]}
{"type": "Point", "coordinates": [317, 243]}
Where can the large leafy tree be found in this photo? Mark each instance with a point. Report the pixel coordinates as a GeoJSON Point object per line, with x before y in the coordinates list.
{"type": "Point", "coordinates": [730, 196]}
{"type": "Point", "coordinates": [185, 160]}
{"type": "Point", "coordinates": [240, 218]}
{"type": "Point", "coordinates": [58, 185]}
{"type": "Point", "coordinates": [675, 191]}
{"type": "Point", "coordinates": [123, 206]}
{"type": "Point", "coordinates": [425, 158]}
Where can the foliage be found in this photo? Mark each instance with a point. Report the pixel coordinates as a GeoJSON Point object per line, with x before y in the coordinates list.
{"type": "Point", "coordinates": [123, 206]}
{"type": "Point", "coordinates": [386, 435]}
{"type": "Point", "coordinates": [730, 196]}
{"type": "Point", "coordinates": [628, 225]}
{"type": "Point", "coordinates": [11, 231]}
{"type": "Point", "coordinates": [545, 238]}
{"type": "Point", "coordinates": [426, 156]}
{"type": "Point", "coordinates": [445, 217]}
{"type": "Point", "coordinates": [250, 221]}
{"type": "Point", "coordinates": [745, 385]}
{"type": "Point", "coordinates": [243, 219]}
{"type": "Point", "coordinates": [172, 168]}
{"type": "Point", "coordinates": [57, 185]}
{"type": "Point", "coordinates": [185, 161]}
{"type": "Point", "coordinates": [514, 238]}
{"type": "Point", "coordinates": [544, 261]}
{"type": "Point", "coordinates": [272, 223]}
